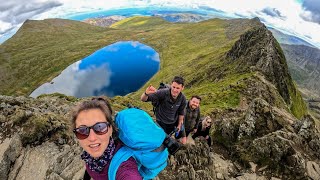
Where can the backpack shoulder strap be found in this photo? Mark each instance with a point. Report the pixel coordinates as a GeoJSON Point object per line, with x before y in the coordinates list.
{"type": "Point", "coordinates": [123, 154]}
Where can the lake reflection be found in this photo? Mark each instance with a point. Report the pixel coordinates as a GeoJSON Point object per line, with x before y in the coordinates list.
{"type": "Point", "coordinates": [117, 69]}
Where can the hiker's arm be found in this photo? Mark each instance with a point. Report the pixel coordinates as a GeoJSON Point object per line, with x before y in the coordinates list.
{"type": "Point", "coordinates": [181, 112]}
{"type": "Point", "coordinates": [181, 117]}
{"type": "Point", "coordinates": [150, 90]}
{"type": "Point", "coordinates": [144, 97]}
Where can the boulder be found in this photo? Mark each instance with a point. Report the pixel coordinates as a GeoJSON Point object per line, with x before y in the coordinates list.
{"type": "Point", "coordinates": [10, 149]}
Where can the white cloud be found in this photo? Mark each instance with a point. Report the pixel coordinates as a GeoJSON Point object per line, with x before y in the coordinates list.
{"type": "Point", "coordinates": [312, 10]}
{"type": "Point", "coordinates": [297, 18]}
{"type": "Point", "coordinates": [75, 82]}
{"type": "Point", "coordinates": [5, 27]}
{"type": "Point", "coordinates": [154, 57]}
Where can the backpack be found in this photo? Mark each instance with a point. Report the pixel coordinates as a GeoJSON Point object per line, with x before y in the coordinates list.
{"type": "Point", "coordinates": [163, 86]}
{"type": "Point", "coordinates": [143, 140]}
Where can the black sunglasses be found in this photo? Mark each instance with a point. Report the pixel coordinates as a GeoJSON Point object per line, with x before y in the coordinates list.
{"type": "Point", "coordinates": [99, 128]}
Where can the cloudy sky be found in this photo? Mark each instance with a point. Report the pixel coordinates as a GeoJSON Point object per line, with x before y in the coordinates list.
{"type": "Point", "coordinates": [296, 17]}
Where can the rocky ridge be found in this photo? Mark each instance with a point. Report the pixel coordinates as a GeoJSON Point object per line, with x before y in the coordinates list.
{"type": "Point", "coordinates": [261, 142]}
{"type": "Point", "coordinates": [268, 135]}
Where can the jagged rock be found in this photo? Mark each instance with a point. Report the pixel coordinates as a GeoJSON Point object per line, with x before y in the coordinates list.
{"type": "Point", "coordinates": [220, 176]}
{"type": "Point", "coordinates": [248, 176]}
{"type": "Point", "coordinates": [54, 176]}
{"type": "Point", "coordinates": [313, 170]}
{"type": "Point", "coordinates": [17, 165]}
{"type": "Point", "coordinates": [52, 162]}
{"type": "Point", "coordinates": [271, 138]}
{"type": "Point", "coordinates": [190, 162]}
{"type": "Point", "coordinates": [258, 121]}
{"type": "Point", "coordinates": [9, 150]}
{"type": "Point", "coordinates": [79, 175]}
{"type": "Point", "coordinates": [306, 129]}
{"type": "Point", "coordinates": [224, 169]}
{"type": "Point", "coordinates": [258, 48]}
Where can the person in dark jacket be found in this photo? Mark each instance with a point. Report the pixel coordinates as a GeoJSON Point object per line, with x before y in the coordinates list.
{"type": "Point", "coordinates": [94, 129]}
{"type": "Point", "coordinates": [191, 116]}
{"type": "Point", "coordinates": [170, 104]}
{"type": "Point", "coordinates": [204, 129]}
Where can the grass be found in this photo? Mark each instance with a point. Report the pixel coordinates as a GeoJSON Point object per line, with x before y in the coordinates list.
{"type": "Point", "coordinates": [42, 49]}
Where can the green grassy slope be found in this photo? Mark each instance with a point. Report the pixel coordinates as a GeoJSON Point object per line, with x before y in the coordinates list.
{"type": "Point", "coordinates": [42, 49]}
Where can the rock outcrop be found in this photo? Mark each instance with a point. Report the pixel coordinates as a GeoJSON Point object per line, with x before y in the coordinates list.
{"type": "Point", "coordinates": [259, 50]}
{"type": "Point", "coordinates": [261, 130]}
{"type": "Point", "coordinates": [272, 139]}
{"type": "Point", "coordinates": [261, 142]}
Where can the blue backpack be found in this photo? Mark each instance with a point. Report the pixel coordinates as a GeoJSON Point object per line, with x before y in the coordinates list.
{"type": "Point", "coordinates": [143, 140]}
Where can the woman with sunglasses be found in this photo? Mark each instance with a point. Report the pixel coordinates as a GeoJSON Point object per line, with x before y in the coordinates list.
{"type": "Point", "coordinates": [94, 129]}
{"type": "Point", "coordinates": [203, 129]}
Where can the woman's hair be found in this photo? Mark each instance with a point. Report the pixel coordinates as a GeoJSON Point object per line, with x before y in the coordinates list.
{"type": "Point", "coordinates": [95, 103]}
{"type": "Point", "coordinates": [206, 118]}
{"type": "Point", "coordinates": [204, 122]}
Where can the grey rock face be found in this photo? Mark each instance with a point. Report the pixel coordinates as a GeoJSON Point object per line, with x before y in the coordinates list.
{"type": "Point", "coordinates": [313, 170]}
{"type": "Point", "coordinates": [271, 138]}
{"type": "Point", "coordinates": [10, 149]}
{"type": "Point", "coordinates": [259, 120]}
{"type": "Point", "coordinates": [48, 161]}
{"type": "Point", "coordinates": [258, 49]}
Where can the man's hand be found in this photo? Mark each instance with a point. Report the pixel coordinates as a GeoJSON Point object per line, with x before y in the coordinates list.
{"type": "Point", "coordinates": [183, 140]}
{"type": "Point", "coordinates": [151, 90]}
{"type": "Point", "coordinates": [179, 127]}
{"type": "Point", "coordinates": [207, 137]}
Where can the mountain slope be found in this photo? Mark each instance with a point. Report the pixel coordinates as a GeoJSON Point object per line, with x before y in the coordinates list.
{"type": "Point", "coordinates": [304, 65]}
{"type": "Point", "coordinates": [40, 50]}
{"type": "Point", "coordinates": [236, 66]}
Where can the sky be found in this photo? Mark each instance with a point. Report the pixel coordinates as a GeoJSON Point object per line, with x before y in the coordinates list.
{"type": "Point", "coordinates": [295, 17]}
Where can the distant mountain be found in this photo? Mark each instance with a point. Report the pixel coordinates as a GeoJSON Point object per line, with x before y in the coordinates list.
{"type": "Point", "coordinates": [288, 39]}
{"type": "Point", "coordinates": [304, 65]}
{"type": "Point", "coordinates": [182, 17]}
{"type": "Point", "coordinates": [171, 17]}
{"type": "Point", "coordinates": [104, 21]}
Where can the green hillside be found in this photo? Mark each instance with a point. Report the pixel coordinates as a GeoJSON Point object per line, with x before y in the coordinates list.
{"type": "Point", "coordinates": [42, 49]}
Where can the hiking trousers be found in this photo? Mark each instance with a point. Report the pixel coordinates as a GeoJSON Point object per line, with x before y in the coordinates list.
{"type": "Point", "coordinates": [168, 128]}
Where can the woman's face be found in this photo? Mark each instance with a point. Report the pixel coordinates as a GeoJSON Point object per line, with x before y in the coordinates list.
{"type": "Point", "coordinates": [208, 122]}
{"type": "Point", "coordinates": [94, 144]}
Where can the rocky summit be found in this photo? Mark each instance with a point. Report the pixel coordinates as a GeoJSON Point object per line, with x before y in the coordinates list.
{"type": "Point", "coordinates": [262, 128]}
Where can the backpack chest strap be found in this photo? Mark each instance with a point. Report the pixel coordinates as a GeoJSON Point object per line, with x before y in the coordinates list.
{"type": "Point", "coordinates": [123, 154]}
{"type": "Point", "coordinates": [159, 149]}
